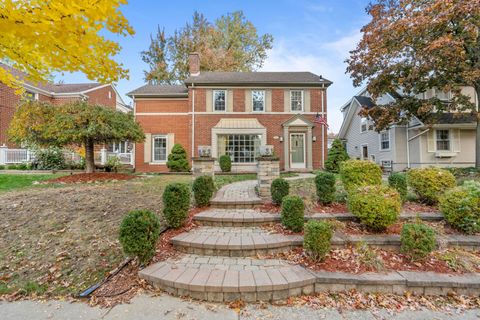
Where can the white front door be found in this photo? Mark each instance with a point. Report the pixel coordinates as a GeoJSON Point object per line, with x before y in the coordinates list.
{"type": "Point", "coordinates": [297, 151]}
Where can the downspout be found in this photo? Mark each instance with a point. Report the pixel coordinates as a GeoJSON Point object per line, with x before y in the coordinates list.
{"type": "Point", "coordinates": [408, 143]}
{"type": "Point", "coordinates": [193, 120]}
{"type": "Point", "coordinates": [323, 128]}
{"type": "Point", "coordinates": [132, 161]}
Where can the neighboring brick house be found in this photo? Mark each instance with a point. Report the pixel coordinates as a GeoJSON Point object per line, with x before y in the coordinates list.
{"type": "Point", "coordinates": [95, 93]}
{"type": "Point", "coordinates": [234, 113]}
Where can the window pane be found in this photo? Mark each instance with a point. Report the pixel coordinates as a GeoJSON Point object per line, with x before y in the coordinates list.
{"type": "Point", "coordinates": [258, 99]}
{"type": "Point", "coordinates": [384, 140]}
{"type": "Point", "coordinates": [296, 100]}
{"type": "Point", "coordinates": [443, 140]}
{"type": "Point", "coordinates": [159, 149]}
{"type": "Point", "coordinates": [219, 100]}
{"type": "Point", "coordinates": [242, 148]}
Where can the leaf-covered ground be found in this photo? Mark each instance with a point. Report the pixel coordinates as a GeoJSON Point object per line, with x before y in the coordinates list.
{"type": "Point", "coordinates": [59, 241]}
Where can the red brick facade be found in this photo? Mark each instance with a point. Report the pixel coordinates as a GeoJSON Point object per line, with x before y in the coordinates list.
{"type": "Point", "coordinates": [158, 117]}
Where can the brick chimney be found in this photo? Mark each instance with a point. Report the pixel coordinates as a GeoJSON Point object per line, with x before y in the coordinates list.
{"type": "Point", "coordinates": [194, 63]}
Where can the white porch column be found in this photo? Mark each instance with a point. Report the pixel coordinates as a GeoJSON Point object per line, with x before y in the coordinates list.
{"type": "Point", "coordinates": [3, 154]}
{"type": "Point", "coordinates": [103, 156]}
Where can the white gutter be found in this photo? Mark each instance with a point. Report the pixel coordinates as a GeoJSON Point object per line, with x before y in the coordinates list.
{"type": "Point", "coordinates": [408, 143]}
{"type": "Point", "coordinates": [193, 120]}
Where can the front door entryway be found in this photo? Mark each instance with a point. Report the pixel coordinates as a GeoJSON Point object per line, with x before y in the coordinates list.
{"type": "Point", "coordinates": [364, 152]}
{"type": "Point", "coordinates": [297, 151]}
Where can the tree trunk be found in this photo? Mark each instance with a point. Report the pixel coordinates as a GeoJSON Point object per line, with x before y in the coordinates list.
{"type": "Point", "coordinates": [477, 136]}
{"type": "Point", "coordinates": [89, 156]}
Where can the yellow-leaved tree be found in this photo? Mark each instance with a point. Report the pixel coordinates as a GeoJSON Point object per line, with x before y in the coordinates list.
{"type": "Point", "coordinates": [40, 37]}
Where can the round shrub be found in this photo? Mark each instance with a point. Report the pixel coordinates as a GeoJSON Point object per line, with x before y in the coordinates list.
{"type": "Point", "coordinates": [317, 239]}
{"type": "Point", "coordinates": [279, 189]}
{"type": "Point", "coordinates": [177, 159]}
{"type": "Point", "coordinates": [225, 163]}
{"type": "Point", "coordinates": [398, 181]}
{"type": "Point", "coordinates": [377, 207]}
{"type": "Point", "coordinates": [430, 183]}
{"type": "Point", "coordinates": [325, 185]}
{"type": "Point", "coordinates": [417, 240]}
{"type": "Point", "coordinates": [357, 173]}
{"type": "Point", "coordinates": [336, 155]}
{"type": "Point", "coordinates": [139, 232]}
{"type": "Point", "coordinates": [49, 159]}
{"type": "Point", "coordinates": [461, 207]}
{"type": "Point", "coordinates": [293, 213]}
{"type": "Point", "coordinates": [203, 188]}
{"type": "Point", "coordinates": [176, 202]}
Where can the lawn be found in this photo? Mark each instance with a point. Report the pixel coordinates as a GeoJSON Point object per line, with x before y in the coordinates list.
{"type": "Point", "coordinates": [20, 181]}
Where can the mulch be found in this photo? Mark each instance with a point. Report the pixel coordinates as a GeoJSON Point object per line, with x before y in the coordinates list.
{"type": "Point", "coordinates": [415, 207]}
{"type": "Point", "coordinates": [91, 177]}
{"type": "Point", "coordinates": [351, 260]}
{"type": "Point", "coordinates": [331, 208]}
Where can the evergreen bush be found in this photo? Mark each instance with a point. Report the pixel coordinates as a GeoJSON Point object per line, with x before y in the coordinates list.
{"type": "Point", "coordinates": [417, 240]}
{"type": "Point", "coordinates": [203, 188]}
{"type": "Point", "coordinates": [377, 207]}
{"type": "Point", "coordinates": [139, 232]}
{"type": "Point", "coordinates": [176, 202]}
{"type": "Point", "coordinates": [177, 159]}
{"type": "Point", "coordinates": [430, 183]}
{"type": "Point", "coordinates": [225, 163]}
{"type": "Point", "coordinates": [293, 213]}
{"type": "Point", "coordinates": [358, 173]}
{"type": "Point", "coordinates": [49, 159]}
{"type": "Point", "coordinates": [336, 155]}
{"type": "Point", "coordinates": [325, 185]}
{"type": "Point", "coordinates": [317, 239]}
{"type": "Point", "coordinates": [398, 181]}
{"type": "Point", "coordinates": [279, 189]}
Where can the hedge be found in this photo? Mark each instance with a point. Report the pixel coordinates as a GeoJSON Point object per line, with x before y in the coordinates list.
{"type": "Point", "coordinates": [176, 202]}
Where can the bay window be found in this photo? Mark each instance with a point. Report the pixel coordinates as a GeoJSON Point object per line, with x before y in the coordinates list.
{"type": "Point", "coordinates": [242, 148]}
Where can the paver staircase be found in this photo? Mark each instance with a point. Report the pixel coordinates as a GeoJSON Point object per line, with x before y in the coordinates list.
{"type": "Point", "coordinates": [221, 261]}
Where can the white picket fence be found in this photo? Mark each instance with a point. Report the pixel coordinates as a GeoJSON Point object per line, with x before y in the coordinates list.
{"type": "Point", "coordinates": [17, 156]}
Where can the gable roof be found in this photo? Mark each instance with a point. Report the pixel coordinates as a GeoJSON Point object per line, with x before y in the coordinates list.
{"type": "Point", "coordinates": [365, 101]}
{"type": "Point", "coordinates": [160, 90]}
{"type": "Point", "coordinates": [259, 78]}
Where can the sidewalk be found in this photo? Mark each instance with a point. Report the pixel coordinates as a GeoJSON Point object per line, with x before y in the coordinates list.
{"type": "Point", "coordinates": [167, 307]}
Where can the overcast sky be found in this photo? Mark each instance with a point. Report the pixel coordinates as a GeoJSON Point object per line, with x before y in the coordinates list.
{"type": "Point", "coordinates": [308, 36]}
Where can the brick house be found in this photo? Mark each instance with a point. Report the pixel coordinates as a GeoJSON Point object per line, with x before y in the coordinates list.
{"type": "Point", "coordinates": [234, 113]}
{"type": "Point", "coordinates": [95, 93]}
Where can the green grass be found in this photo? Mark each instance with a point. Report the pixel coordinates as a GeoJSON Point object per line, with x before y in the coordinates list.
{"type": "Point", "coordinates": [221, 180]}
{"type": "Point", "coordinates": [10, 182]}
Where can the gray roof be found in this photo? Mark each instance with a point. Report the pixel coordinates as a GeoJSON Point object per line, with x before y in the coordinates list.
{"type": "Point", "coordinates": [455, 118]}
{"type": "Point", "coordinates": [258, 78]}
{"type": "Point", "coordinates": [365, 101]}
{"type": "Point", "coordinates": [49, 86]}
{"type": "Point", "coordinates": [160, 90]}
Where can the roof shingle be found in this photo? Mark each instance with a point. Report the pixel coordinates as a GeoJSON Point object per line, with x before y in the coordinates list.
{"type": "Point", "coordinates": [160, 90]}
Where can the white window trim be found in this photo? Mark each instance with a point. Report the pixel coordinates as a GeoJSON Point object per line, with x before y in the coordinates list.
{"type": "Point", "coordinates": [303, 101]}
{"type": "Point", "coordinates": [264, 102]}
{"type": "Point", "coordinates": [380, 140]}
{"type": "Point", "coordinates": [449, 140]}
{"type": "Point", "coordinates": [153, 148]}
{"type": "Point", "coordinates": [361, 124]}
{"type": "Point", "coordinates": [35, 95]}
{"type": "Point", "coordinates": [213, 100]}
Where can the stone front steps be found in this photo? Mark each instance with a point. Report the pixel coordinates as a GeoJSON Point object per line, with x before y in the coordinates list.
{"type": "Point", "coordinates": [234, 241]}
{"type": "Point", "coordinates": [227, 279]}
{"type": "Point", "coordinates": [239, 195]}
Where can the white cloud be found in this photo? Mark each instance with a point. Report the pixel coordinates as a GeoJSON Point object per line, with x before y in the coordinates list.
{"type": "Point", "coordinates": [326, 59]}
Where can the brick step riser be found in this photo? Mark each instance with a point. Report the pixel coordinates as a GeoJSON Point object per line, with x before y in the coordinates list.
{"type": "Point", "coordinates": [212, 223]}
{"type": "Point", "coordinates": [232, 252]}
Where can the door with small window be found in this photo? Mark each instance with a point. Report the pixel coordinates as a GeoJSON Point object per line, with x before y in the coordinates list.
{"type": "Point", "coordinates": [297, 151]}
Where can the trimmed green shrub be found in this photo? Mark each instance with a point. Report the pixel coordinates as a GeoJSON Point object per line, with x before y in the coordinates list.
{"type": "Point", "coordinates": [293, 213]}
{"type": "Point", "coordinates": [325, 185]}
{"type": "Point", "coordinates": [377, 207]}
{"type": "Point", "coordinates": [49, 159]}
{"type": "Point", "coordinates": [139, 232]}
{"type": "Point", "coordinates": [12, 167]}
{"type": "Point", "coordinates": [336, 155]}
{"type": "Point", "coordinates": [279, 189]}
{"type": "Point", "coordinates": [430, 183]}
{"type": "Point", "coordinates": [23, 166]}
{"type": "Point", "coordinates": [176, 202]}
{"type": "Point", "coordinates": [113, 164]}
{"type": "Point", "coordinates": [358, 173]}
{"type": "Point", "coordinates": [203, 188]}
{"type": "Point", "coordinates": [177, 159]}
{"type": "Point", "coordinates": [461, 207]}
{"type": "Point", "coordinates": [398, 181]}
{"type": "Point", "coordinates": [417, 240]}
{"type": "Point", "coordinates": [317, 239]}
{"type": "Point", "coordinates": [225, 163]}
{"type": "Point", "coordinates": [2, 167]}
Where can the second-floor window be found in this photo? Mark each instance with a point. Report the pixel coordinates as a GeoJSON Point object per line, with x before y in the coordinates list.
{"type": "Point", "coordinates": [296, 100]}
{"type": "Point", "coordinates": [363, 124]}
{"type": "Point", "coordinates": [258, 100]}
{"type": "Point", "coordinates": [443, 140]}
{"type": "Point", "coordinates": [385, 140]}
{"type": "Point", "coordinates": [219, 100]}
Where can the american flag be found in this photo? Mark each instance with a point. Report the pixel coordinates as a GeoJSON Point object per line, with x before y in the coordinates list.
{"type": "Point", "coordinates": [320, 120]}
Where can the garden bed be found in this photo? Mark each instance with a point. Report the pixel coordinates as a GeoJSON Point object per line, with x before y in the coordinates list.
{"type": "Point", "coordinates": [91, 177]}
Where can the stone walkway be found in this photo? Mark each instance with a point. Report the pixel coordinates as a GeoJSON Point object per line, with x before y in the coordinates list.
{"type": "Point", "coordinates": [222, 258]}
